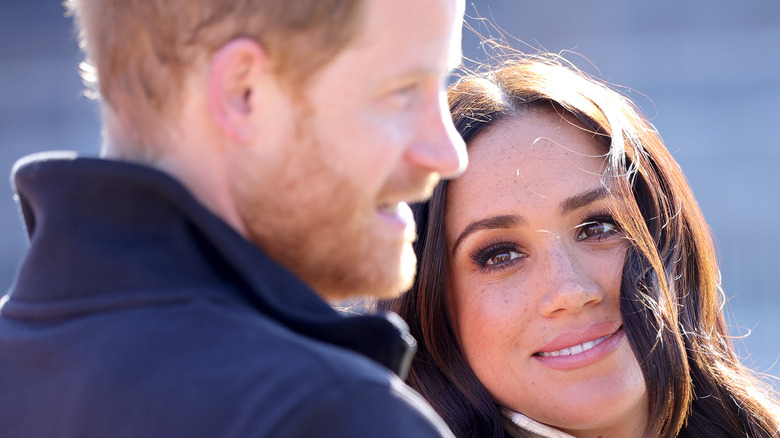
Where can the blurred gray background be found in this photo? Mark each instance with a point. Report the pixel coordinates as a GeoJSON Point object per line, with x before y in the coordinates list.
{"type": "Point", "coordinates": [707, 73]}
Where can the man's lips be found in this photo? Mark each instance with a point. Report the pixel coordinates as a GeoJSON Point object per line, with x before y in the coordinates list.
{"type": "Point", "coordinates": [577, 342]}
{"type": "Point", "coordinates": [399, 217]}
{"type": "Point", "coordinates": [400, 210]}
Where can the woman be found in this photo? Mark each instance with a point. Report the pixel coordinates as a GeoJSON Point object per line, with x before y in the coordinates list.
{"type": "Point", "coordinates": [567, 282]}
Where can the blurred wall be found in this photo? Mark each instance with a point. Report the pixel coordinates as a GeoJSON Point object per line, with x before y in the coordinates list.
{"type": "Point", "coordinates": [705, 72]}
{"type": "Point", "coordinates": [42, 106]}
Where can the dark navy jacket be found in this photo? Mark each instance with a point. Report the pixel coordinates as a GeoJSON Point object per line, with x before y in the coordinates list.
{"type": "Point", "coordinates": [138, 313]}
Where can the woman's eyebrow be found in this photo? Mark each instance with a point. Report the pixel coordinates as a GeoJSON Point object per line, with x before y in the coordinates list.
{"type": "Point", "coordinates": [513, 220]}
{"type": "Point", "coordinates": [582, 199]}
{"type": "Point", "coordinates": [489, 223]}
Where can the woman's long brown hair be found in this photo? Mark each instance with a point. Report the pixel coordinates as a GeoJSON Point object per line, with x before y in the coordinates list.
{"type": "Point", "coordinates": [671, 301]}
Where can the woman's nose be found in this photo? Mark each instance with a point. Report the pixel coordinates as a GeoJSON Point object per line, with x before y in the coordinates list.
{"type": "Point", "coordinates": [568, 288]}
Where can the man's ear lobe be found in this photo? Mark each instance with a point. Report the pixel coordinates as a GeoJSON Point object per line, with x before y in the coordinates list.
{"type": "Point", "coordinates": [233, 79]}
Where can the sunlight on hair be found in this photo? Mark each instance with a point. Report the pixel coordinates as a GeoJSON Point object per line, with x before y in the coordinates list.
{"type": "Point", "coordinates": [491, 89]}
{"type": "Point", "coordinates": [89, 76]}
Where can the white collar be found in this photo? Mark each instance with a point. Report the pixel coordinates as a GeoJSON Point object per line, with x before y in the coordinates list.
{"type": "Point", "coordinates": [529, 425]}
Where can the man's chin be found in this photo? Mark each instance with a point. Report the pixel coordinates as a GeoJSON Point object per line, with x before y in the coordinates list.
{"type": "Point", "coordinates": [382, 283]}
{"type": "Point", "coordinates": [405, 276]}
{"type": "Point", "coordinates": [408, 269]}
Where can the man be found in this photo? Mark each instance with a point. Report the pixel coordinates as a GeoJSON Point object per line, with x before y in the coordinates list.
{"type": "Point", "coordinates": [258, 158]}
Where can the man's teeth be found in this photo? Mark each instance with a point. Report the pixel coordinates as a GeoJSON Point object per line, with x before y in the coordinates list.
{"type": "Point", "coordinates": [576, 349]}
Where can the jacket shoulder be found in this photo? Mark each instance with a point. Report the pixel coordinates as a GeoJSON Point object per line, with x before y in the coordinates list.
{"type": "Point", "coordinates": [312, 389]}
{"type": "Point", "coordinates": [241, 374]}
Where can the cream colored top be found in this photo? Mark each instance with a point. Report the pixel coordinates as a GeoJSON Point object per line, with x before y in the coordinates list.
{"type": "Point", "coordinates": [520, 426]}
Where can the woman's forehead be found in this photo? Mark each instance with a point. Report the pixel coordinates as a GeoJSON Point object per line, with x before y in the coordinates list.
{"type": "Point", "coordinates": [533, 148]}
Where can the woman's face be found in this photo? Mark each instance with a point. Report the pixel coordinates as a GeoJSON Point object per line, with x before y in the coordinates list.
{"type": "Point", "coordinates": [534, 278]}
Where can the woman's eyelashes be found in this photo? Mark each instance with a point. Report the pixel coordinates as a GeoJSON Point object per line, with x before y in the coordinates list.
{"type": "Point", "coordinates": [597, 227]}
{"type": "Point", "coordinates": [496, 256]}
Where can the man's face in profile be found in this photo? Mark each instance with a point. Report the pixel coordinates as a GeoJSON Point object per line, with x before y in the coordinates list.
{"type": "Point", "coordinates": [375, 132]}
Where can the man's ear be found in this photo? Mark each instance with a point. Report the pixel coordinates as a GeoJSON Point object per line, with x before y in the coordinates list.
{"type": "Point", "coordinates": [233, 78]}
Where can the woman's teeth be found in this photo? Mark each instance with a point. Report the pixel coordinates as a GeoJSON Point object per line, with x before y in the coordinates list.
{"type": "Point", "coordinates": [576, 349]}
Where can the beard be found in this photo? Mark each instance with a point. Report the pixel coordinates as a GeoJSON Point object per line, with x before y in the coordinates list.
{"type": "Point", "coordinates": [305, 213]}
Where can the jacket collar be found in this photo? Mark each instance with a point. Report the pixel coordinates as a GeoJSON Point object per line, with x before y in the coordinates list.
{"type": "Point", "coordinates": [102, 228]}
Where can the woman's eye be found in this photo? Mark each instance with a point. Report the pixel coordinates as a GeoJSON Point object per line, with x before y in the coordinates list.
{"type": "Point", "coordinates": [502, 257]}
{"type": "Point", "coordinates": [496, 257]}
{"type": "Point", "coordinates": [597, 229]}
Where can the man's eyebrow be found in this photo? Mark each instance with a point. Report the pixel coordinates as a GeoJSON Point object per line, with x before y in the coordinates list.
{"type": "Point", "coordinates": [490, 223]}
{"type": "Point", "coordinates": [581, 200]}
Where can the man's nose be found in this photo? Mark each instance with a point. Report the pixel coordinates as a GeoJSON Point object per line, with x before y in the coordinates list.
{"type": "Point", "coordinates": [438, 147]}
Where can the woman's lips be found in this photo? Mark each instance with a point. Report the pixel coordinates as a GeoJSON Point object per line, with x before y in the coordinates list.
{"type": "Point", "coordinates": [574, 337]}
{"type": "Point", "coordinates": [579, 349]}
{"type": "Point", "coordinates": [575, 349]}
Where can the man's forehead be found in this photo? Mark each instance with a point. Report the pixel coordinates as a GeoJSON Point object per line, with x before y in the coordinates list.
{"type": "Point", "coordinates": [411, 25]}
{"type": "Point", "coordinates": [400, 41]}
